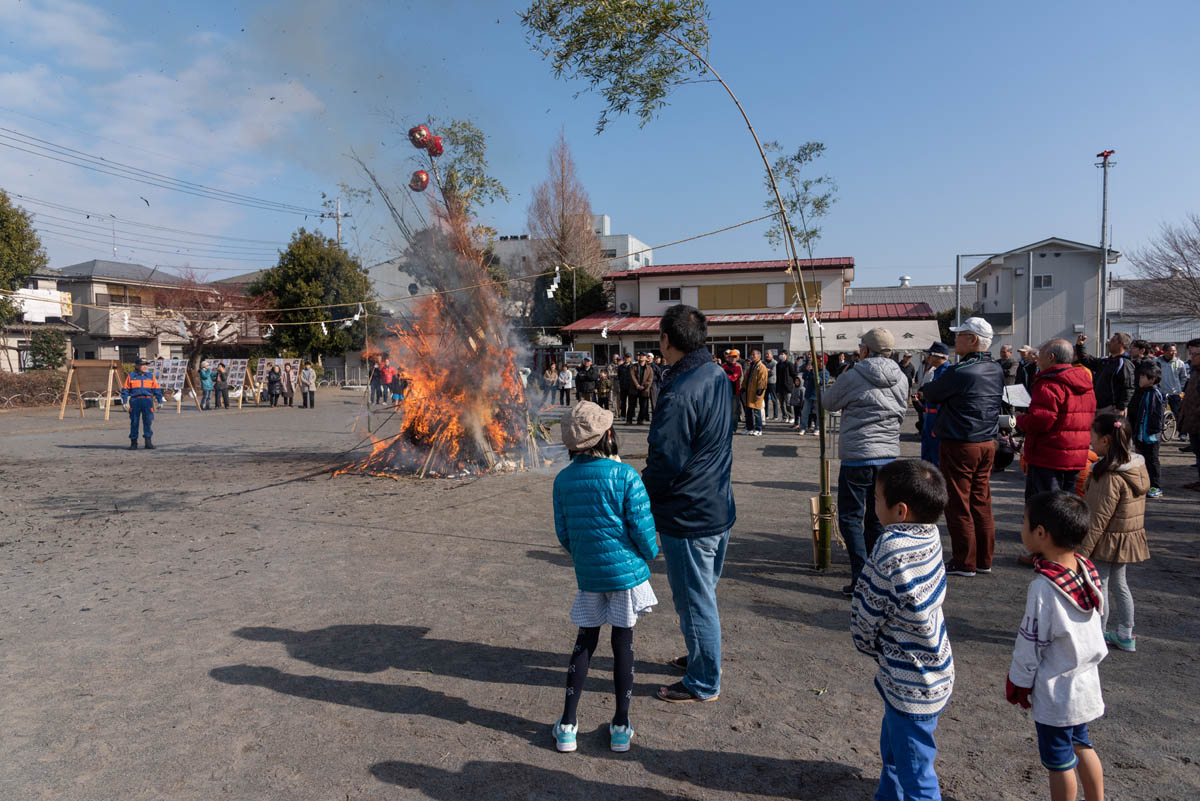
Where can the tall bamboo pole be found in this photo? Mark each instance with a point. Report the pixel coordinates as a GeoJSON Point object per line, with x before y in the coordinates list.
{"type": "Point", "coordinates": [825, 499]}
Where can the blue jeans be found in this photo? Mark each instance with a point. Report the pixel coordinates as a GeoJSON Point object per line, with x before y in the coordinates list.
{"type": "Point", "coordinates": [141, 409]}
{"type": "Point", "coordinates": [693, 568]}
{"type": "Point", "coordinates": [856, 514]}
{"type": "Point", "coordinates": [771, 402]}
{"type": "Point", "coordinates": [908, 750]}
{"type": "Point", "coordinates": [205, 399]}
{"type": "Point", "coordinates": [754, 419]}
{"type": "Point", "coordinates": [810, 410]}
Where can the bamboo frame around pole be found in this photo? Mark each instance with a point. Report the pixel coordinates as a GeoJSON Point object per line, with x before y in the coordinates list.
{"type": "Point", "coordinates": [824, 551]}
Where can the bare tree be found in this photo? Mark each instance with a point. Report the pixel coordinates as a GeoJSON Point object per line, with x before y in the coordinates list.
{"type": "Point", "coordinates": [1171, 266]}
{"type": "Point", "coordinates": [560, 220]}
{"type": "Point", "coordinates": [205, 315]}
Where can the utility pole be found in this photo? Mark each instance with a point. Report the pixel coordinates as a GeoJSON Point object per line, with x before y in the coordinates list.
{"type": "Point", "coordinates": [339, 222]}
{"type": "Point", "coordinates": [1102, 323]}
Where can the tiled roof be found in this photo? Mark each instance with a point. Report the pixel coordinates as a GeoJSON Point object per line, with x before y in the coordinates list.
{"type": "Point", "coordinates": [619, 324]}
{"type": "Point", "coordinates": [730, 267]}
{"type": "Point", "coordinates": [120, 271]}
{"type": "Point", "coordinates": [940, 297]}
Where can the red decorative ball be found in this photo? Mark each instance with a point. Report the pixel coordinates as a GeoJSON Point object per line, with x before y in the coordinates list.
{"type": "Point", "coordinates": [419, 136]}
{"type": "Point", "coordinates": [435, 146]}
{"type": "Point", "coordinates": [420, 180]}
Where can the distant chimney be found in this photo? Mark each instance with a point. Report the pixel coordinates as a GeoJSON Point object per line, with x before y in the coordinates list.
{"type": "Point", "coordinates": [905, 281]}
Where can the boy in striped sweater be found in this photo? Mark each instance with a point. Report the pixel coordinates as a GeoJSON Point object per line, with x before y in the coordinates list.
{"type": "Point", "coordinates": [897, 620]}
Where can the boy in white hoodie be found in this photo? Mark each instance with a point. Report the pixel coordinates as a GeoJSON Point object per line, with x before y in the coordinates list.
{"type": "Point", "coordinates": [1056, 659]}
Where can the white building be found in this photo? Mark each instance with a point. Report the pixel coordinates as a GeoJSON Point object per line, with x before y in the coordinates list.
{"type": "Point", "coordinates": [749, 305]}
{"type": "Point", "coordinates": [1055, 279]}
{"type": "Point", "coordinates": [517, 256]}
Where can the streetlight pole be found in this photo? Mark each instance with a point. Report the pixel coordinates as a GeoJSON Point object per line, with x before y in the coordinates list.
{"type": "Point", "coordinates": [1102, 323]}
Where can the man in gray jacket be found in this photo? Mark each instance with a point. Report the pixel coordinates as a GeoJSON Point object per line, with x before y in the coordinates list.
{"type": "Point", "coordinates": [872, 397]}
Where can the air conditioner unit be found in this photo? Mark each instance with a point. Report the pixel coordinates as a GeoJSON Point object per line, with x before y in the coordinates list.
{"type": "Point", "coordinates": [623, 307]}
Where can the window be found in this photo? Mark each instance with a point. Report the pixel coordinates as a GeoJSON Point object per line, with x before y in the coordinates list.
{"type": "Point", "coordinates": [1043, 281]}
{"type": "Point", "coordinates": [733, 296]}
{"type": "Point", "coordinates": [24, 355]}
{"type": "Point", "coordinates": [128, 353]}
{"type": "Point", "coordinates": [985, 289]}
{"type": "Point", "coordinates": [668, 293]}
{"type": "Point", "coordinates": [997, 284]}
{"type": "Point", "coordinates": [609, 253]}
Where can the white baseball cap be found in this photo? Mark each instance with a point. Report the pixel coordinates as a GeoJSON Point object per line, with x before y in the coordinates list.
{"type": "Point", "coordinates": [974, 325]}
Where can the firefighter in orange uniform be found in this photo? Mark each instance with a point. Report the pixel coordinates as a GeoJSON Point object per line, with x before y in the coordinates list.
{"type": "Point", "coordinates": [138, 395]}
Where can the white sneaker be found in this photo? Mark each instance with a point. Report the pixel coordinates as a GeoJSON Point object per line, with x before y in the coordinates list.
{"type": "Point", "coordinates": [756, 433]}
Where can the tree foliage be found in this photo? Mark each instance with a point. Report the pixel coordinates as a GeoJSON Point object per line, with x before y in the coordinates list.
{"type": "Point", "coordinates": [560, 230]}
{"type": "Point", "coordinates": [1170, 265]}
{"type": "Point", "coordinates": [806, 199]}
{"type": "Point", "coordinates": [570, 301]}
{"type": "Point", "coordinates": [21, 252]}
{"type": "Point", "coordinates": [946, 319]}
{"type": "Point", "coordinates": [463, 169]}
{"type": "Point", "coordinates": [48, 349]}
{"type": "Point", "coordinates": [633, 52]}
{"type": "Point", "coordinates": [314, 271]}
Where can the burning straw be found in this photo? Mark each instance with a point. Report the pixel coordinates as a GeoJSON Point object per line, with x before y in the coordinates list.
{"type": "Point", "coordinates": [464, 410]}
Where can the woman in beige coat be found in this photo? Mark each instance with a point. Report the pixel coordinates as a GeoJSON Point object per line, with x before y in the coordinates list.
{"type": "Point", "coordinates": [1116, 500]}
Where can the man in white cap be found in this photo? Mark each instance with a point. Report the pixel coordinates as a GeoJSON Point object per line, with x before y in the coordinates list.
{"type": "Point", "coordinates": [968, 398]}
{"type": "Point", "coordinates": [872, 397]}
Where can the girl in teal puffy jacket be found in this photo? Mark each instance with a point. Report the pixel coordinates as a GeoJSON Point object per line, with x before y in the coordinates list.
{"type": "Point", "coordinates": [602, 516]}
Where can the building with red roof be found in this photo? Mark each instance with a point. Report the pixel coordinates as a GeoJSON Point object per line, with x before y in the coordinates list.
{"type": "Point", "coordinates": [749, 304]}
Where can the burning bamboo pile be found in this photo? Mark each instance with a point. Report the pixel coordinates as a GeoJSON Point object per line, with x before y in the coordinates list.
{"type": "Point", "coordinates": [464, 410]}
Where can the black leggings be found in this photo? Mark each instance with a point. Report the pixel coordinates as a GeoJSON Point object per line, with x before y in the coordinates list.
{"type": "Point", "coordinates": [581, 657]}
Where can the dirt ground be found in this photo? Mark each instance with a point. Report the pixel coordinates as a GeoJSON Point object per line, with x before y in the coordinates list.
{"type": "Point", "coordinates": [201, 622]}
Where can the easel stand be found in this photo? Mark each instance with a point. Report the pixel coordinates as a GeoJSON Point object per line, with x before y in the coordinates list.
{"type": "Point", "coordinates": [88, 375]}
{"type": "Point", "coordinates": [191, 388]}
{"type": "Point", "coordinates": [249, 382]}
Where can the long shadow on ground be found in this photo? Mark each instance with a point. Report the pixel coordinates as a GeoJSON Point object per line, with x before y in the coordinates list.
{"type": "Point", "coordinates": [371, 648]}
{"type": "Point", "coordinates": [805, 780]}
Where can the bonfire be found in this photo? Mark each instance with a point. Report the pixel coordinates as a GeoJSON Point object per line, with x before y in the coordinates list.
{"type": "Point", "coordinates": [464, 410]}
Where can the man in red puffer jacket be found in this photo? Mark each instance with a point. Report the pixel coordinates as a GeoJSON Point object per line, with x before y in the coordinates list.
{"type": "Point", "coordinates": [1058, 423]}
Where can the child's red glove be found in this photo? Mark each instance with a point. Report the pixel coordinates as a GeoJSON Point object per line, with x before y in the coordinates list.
{"type": "Point", "coordinates": [1017, 695]}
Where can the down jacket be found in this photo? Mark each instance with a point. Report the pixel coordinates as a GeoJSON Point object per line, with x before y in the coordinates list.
{"type": "Point", "coordinates": [1058, 424]}
{"type": "Point", "coordinates": [968, 399]}
{"type": "Point", "coordinates": [1114, 378]}
{"type": "Point", "coordinates": [1117, 506]}
{"type": "Point", "coordinates": [602, 516]}
{"type": "Point", "coordinates": [691, 451]}
{"type": "Point", "coordinates": [872, 397]}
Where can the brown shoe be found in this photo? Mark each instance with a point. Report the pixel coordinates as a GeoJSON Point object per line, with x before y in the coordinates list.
{"type": "Point", "coordinates": [678, 694]}
{"type": "Point", "coordinates": [679, 663]}
{"type": "Point", "coordinates": [1026, 559]}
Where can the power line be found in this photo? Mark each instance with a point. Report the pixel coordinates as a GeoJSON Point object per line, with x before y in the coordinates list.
{"type": "Point", "coordinates": [101, 228]}
{"type": "Point", "coordinates": [108, 242]}
{"type": "Point", "coordinates": [65, 155]}
{"type": "Point", "coordinates": [104, 216]}
{"type": "Point", "coordinates": [128, 146]}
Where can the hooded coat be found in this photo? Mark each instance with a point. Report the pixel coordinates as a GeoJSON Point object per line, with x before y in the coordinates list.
{"type": "Point", "coordinates": [1058, 424]}
{"type": "Point", "coordinates": [1117, 506]}
{"type": "Point", "coordinates": [872, 397]}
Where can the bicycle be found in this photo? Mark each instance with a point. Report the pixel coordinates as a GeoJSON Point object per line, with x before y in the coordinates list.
{"type": "Point", "coordinates": [1170, 426]}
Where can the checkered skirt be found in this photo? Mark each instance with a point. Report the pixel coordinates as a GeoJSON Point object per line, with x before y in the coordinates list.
{"type": "Point", "coordinates": [621, 608]}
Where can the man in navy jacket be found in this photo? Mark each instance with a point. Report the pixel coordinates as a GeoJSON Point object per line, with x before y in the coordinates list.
{"type": "Point", "coordinates": [687, 479]}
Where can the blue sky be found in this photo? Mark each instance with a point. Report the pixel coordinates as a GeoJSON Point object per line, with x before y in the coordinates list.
{"type": "Point", "coordinates": [949, 127]}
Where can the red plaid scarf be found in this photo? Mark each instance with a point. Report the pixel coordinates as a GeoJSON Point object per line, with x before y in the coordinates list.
{"type": "Point", "coordinates": [1071, 583]}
